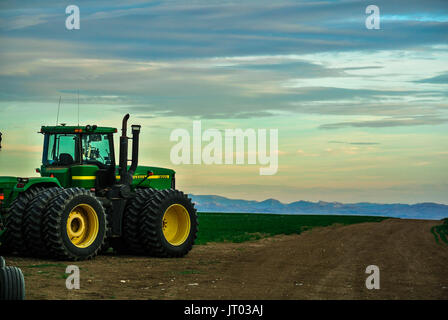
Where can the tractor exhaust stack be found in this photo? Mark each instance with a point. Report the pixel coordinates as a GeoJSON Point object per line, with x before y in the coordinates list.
{"type": "Point", "coordinates": [124, 151]}
{"type": "Point", "coordinates": [125, 174]}
{"type": "Point", "coordinates": [135, 143]}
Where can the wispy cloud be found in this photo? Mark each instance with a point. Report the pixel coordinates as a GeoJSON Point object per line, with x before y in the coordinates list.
{"type": "Point", "coordinates": [417, 121]}
{"type": "Point", "coordinates": [24, 21]}
{"type": "Point", "coordinates": [441, 79]}
{"type": "Point", "coordinates": [355, 143]}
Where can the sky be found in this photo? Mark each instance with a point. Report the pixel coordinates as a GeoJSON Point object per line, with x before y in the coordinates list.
{"type": "Point", "coordinates": [361, 114]}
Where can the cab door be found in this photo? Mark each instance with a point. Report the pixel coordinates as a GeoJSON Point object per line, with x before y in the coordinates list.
{"type": "Point", "coordinates": [98, 159]}
{"type": "Point", "coordinates": [61, 153]}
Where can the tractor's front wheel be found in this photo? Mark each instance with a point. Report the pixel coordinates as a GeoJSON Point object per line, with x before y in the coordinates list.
{"type": "Point", "coordinates": [74, 225]}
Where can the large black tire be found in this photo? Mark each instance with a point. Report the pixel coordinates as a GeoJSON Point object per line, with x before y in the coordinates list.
{"type": "Point", "coordinates": [156, 221]}
{"type": "Point", "coordinates": [12, 284]}
{"type": "Point", "coordinates": [58, 219]}
{"type": "Point", "coordinates": [109, 239]}
{"type": "Point", "coordinates": [119, 246]}
{"type": "Point", "coordinates": [33, 221]}
{"type": "Point", "coordinates": [131, 242]}
{"type": "Point", "coordinates": [13, 240]}
{"type": "Point", "coordinates": [4, 249]}
{"type": "Point", "coordinates": [2, 262]}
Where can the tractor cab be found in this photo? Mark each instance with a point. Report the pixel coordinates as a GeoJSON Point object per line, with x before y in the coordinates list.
{"type": "Point", "coordinates": [84, 156]}
{"type": "Point", "coordinates": [76, 155]}
{"type": "Point", "coordinates": [62, 149]}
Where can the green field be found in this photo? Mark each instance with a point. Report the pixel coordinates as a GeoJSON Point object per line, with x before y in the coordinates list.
{"type": "Point", "coordinates": [239, 227]}
{"type": "Point", "coordinates": [441, 231]}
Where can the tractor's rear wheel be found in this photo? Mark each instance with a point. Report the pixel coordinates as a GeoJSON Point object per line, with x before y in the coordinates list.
{"type": "Point", "coordinates": [169, 224]}
{"type": "Point", "coordinates": [33, 221]}
{"type": "Point", "coordinates": [14, 237]}
{"type": "Point", "coordinates": [74, 225]}
{"type": "Point", "coordinates": [12, 284]}
{"type": "Point", "coordinates": [131, 242]}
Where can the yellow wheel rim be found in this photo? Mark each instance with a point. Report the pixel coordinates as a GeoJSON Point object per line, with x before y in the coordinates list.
{"type": "Point", "coordinates": [82, 225]}
{"type": "Point", "coordinates": [176, 224]}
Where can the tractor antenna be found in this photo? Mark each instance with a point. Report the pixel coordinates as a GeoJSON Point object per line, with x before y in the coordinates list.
{"type": "Point", "coordinates": [78, 107]}
{"type": "Point", "coordinates": [59, 106]}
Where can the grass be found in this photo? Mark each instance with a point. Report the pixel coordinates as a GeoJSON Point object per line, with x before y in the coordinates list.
{"type": "Point", "coordinates": [46, 265]}
{"type": "Point", "coordinates": [441, 231]}
{"type": "Point", "coordinates": [49, 270]}
{"type": "Point", "coordinates": [240, 227]}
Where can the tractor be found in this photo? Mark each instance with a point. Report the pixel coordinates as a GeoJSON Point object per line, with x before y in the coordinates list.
{"type": "Point", "coordinates": [84, 203]}
{"type": "Point", "coordinates": [12, 282]}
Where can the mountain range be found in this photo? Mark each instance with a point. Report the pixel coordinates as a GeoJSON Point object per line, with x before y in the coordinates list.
{"type": "Point", "coordinates": [426, 210]}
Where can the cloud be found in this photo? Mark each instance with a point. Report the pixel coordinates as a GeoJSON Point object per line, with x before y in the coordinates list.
{"type": "Point", "coordinates": [176, 29]}
{"type": "Point", "coordinates": [211, 88]}
{"type": "Point", "coordinates": [355, 143]}
{"type": "Point", "coordinates": [218, 60]}
{"type": "Point", "coordinates": [307, 154]}
{"type": "Point", "coordinates": [441, 79]}
{"type": "Point", "coordinates": [422, 164]}
{"type": "Point", "coordinates": [417, 121]}
{"type": "Point", "coordinates": [342, 150]}
{"type": "Point", "coordinates": [24, 21]}
{"type": "Point", "coordinates": [239, 115]}
{"type": "Point", "coordinates": [21, 148]}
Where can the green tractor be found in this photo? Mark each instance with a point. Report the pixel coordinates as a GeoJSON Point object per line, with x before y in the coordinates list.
{"type": "Point", "coordinates": [84, 203]}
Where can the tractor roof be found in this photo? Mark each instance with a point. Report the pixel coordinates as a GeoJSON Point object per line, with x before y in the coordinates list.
{"type": "Point", "coordinates": [77, 129]}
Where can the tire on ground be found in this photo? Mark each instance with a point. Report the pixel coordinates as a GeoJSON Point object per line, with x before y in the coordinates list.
{"type": "Point", "coordinates": [33, 221]}
{"type": "Point", "coordinates": [74, 225]}
{"type": "Point", "coordinates": [169, 224]}
{"type": "Point", "coordinates": [109, 239]}
{"type": "Point", "coordinates": [12, 284]}
{"type": "Point", "coordinates": [14, 237]}
{"type": "Point", "coordinates": [131, 240]}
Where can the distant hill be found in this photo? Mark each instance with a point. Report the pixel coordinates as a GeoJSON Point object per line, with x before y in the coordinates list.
{"type": "Point", "coordinates": [427, 210]}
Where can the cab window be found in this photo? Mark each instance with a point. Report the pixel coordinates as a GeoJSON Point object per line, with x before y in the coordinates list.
{"type": "Point", "coordinates": [96, 149]}
{"type": "Point", "coordinates": [61, 150]}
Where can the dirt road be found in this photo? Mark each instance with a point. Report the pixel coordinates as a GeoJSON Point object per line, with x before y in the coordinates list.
{"type": "Point", "coordinates": [323, 263]}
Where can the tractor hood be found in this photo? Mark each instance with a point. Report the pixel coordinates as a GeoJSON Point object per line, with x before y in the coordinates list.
{"type": "Point", "coordinates": [154, 177]}
{"type": "Point", "coordinates": [10, 187]}
{"type": "Point", "coordinates": [156, 170]}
